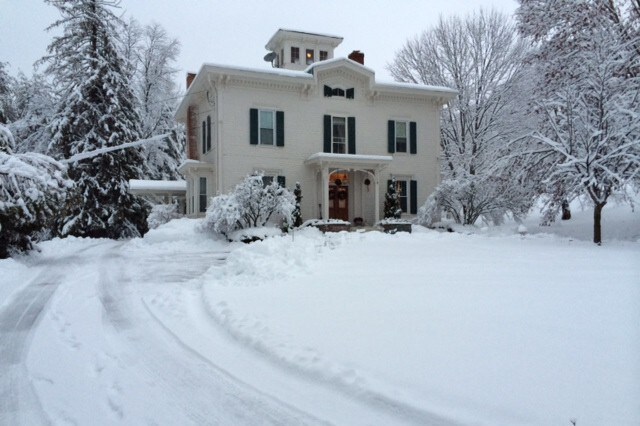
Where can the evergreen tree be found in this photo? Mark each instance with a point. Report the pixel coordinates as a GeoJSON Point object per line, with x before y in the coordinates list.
{"type": "Point", "coordinates": [96, 109]}
{"type": "Point", "coordinates": [392, 209]}
{"type": "Point", "coordinates": [297, 213]}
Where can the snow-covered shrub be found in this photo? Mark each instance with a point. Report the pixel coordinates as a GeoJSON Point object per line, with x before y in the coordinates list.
{"type": "Point", "coordinates": [251, 204]}
{"type": "Point", "coordinates": [161, 214]}
{"type": "Point", "coordinates": [467, 200]}
{"type": "Point", "coordinates": [32, 189]}
{"type": "Point", "coordinates": [223, 214]}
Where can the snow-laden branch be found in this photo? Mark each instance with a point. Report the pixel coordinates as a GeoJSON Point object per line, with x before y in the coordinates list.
{"type": "Point", "coordinates": [99, 151]}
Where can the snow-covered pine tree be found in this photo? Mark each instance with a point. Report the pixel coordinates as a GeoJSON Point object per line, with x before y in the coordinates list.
{"type": "Point", "coordinates": [96, 109]}
{"type": "Point", "coordinates": [392, 208]}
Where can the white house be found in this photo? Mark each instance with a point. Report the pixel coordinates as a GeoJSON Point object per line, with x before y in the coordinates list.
{"type": "Point", "coordinates": [314, 119]}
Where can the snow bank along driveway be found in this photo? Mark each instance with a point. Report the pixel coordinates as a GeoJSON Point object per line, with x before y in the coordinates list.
{"type": "Point", "coordinates": [360, 328]}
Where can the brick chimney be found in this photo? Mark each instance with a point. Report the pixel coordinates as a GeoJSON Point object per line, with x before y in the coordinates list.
{"type": "Point", "coordinates": [357, 56]}
{"type": "Point", "coordinates": [190, 77]}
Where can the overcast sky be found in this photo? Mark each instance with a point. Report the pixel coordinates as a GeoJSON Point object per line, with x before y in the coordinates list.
{"type": "Point", "coordinates": [235, 32]}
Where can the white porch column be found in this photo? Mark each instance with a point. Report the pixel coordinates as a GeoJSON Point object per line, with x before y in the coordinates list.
{"type": "Point", "coordinates": [325, 191]}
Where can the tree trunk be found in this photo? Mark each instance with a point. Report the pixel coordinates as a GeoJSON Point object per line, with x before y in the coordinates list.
{"type": "Point", "coordinates": [597, 227]}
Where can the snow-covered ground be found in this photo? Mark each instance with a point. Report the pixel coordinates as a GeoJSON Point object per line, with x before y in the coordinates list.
{"type": "Point", "coordinates": [489, 327]}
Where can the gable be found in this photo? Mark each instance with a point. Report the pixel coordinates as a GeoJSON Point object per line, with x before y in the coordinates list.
{"type": "Point", "coordinates": [343, 73]}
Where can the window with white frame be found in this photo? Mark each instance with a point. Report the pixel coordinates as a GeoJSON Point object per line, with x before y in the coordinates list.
{"type": "Point", "coordinates": [310, 56]}
{"type": "Point", "coordinates": [401, 136]}
{"type": "Point", "coordinates": [267, 126]}
{"type": "Point", "coordinates": [339, 135]}
{"type": "Point", "coordinates": [295, 55]}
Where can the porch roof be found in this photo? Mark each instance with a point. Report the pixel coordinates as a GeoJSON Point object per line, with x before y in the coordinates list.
{"type": "Point", "coordinates": [349, 161]}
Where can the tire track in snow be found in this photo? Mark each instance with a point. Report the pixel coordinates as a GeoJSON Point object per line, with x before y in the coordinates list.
{"type": "Point", "coordinates": [196, 391]}
{"type": "Point", "coordinates": [19, 403]}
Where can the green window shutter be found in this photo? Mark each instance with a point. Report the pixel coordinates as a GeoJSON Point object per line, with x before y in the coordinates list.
{"type": "Point", "coordinates": [279, 128]}
{"type": "Point", "coordinates": [253, 129]}
{"type": "Point", "coordinates": [351, 124]}
{"type": "Point", "coordinates": [204, 137]}
{"type": "Point", "coordinates": [391, 133]}
{"type": "Point", "coordinates": [208, 132]}
{"type": "Point", "coordinates": [327, 91]}
{"type": "Point", "coordinates": [413, 197]}
{"type": "Point", "coordinates": [281, 181]}
{"type": "Point", "coordinates": [327, 133]}
{"type": "Point", "coordinates": [413, 138]}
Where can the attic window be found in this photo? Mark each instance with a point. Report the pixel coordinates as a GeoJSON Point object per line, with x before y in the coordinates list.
{"type": "Point", "coordinates": [324, 55]}
{"type": "Point", "coordinates": [336, 91]}
{"type": "Point", "coordinates": [310, 56]}
{"type": "Point", "coordinates": [295, 55]}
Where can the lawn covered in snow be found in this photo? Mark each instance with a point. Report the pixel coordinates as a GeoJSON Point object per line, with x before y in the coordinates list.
{"type": "Point", "coordinates": [476, 329]}
{"type": "Point", "coordinates": [486, 327]}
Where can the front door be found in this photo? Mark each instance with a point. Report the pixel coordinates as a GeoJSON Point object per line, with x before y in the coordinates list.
{"type": "Point", "coordinates": [339, 202]}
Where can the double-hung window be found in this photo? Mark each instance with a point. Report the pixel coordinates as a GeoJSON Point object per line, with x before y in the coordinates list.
{"type": "Point", "coordinates": [403, 136]}
{"type": "Point", "coordinates": [202, 199]}
{"type": "Point", "coordinates": [295, 55]}
{"type": "Point", "coordinates": [407, 191]}
{"type": "Point", "coordinates": [310, 56]}
{"type": "Point", "coordinates": [266, 127]}
{"type": "Point", "coordinates": [206, 135]}
{"type": "Point", "coordinates": [324, 55]}
{"type": "Point", "coordinates": [339, 135]}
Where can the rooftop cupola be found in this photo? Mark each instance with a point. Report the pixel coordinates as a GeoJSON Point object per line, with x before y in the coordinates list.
{"type": "Point", "coordinates": [296, 50]}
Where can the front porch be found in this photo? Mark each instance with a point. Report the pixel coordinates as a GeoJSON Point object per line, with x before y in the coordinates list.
{"type": "Point", "coordinates": [348, 185]}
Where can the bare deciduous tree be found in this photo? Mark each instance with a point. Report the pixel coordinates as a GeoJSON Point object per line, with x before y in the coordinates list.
{"type": "Point", "coordinates": [482, 57]}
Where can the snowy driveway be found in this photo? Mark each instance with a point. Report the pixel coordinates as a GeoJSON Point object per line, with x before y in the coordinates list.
{"type": "Point", "coordinates": [79, 347]}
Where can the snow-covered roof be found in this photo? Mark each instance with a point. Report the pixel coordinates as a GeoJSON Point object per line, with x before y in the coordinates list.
{"type": "Point", "coordinates": [174, 187]}
{"type": "Point", "coordinates": [449, 92]}
{"type": "Point", "coordinates": [283, 33]}
{"type": "Point", "coordinates": [226, 69]}
{"type": "Point", "coordinates": [349, 160]}
{"type": "Point", "coordinates": [307, 77]}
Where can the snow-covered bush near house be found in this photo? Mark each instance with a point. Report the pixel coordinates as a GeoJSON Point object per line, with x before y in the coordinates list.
{"type": "Point", "coordinates": [161, 214]}
{"type": "Point", "coordinates": [32, 189]}
{"type": "Point", "coordinates": [251, 204]}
